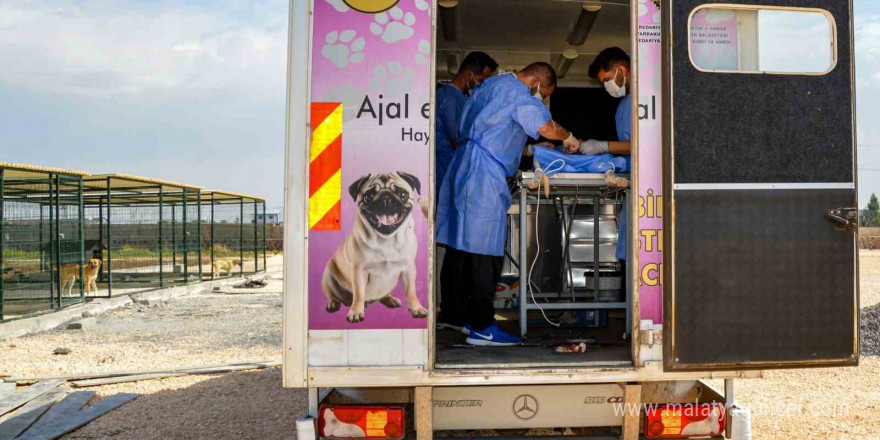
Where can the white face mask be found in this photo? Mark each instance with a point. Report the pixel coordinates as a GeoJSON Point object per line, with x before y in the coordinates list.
{"type": "Point", "coordinates": [537, 93]}
{"type": "Point", "coordinates": [613, 89]}
{"type": "Point", "coordinates": [468, 83]}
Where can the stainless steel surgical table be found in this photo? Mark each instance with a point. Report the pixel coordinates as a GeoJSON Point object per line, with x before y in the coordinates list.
{"type": "Point", "coordinates": [569, 188]}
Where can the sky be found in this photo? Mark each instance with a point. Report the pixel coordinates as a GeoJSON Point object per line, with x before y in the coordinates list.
{"type": "Point", "coordinates": [194, 91]}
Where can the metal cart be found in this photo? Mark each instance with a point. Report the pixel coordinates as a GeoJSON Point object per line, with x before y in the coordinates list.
{"type": "Point", "coordinates": [569, 189]}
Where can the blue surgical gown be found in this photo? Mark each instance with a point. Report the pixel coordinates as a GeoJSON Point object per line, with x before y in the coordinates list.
{"type": "Point", "coordinates": [450, 102]}
{"type": "Point", "coordinates": [623, 120]}
{"type": "Point", "coordinates": [474, 198]}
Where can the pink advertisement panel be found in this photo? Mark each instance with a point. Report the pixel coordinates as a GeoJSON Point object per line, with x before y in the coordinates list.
{"type": "Point", "coordinates": [650, 163]}
{"type": "Point", "coordinates": [714, 43]}
{"type": "Point", "coordinates": [368, 238]}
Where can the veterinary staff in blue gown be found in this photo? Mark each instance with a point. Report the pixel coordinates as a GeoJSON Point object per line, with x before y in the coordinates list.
{"type": "Point", "coordinates": [612, 68]}
{"type": "Point", "coordinates": [450, 99]}
{"type": "Point", "coordinates": [474, 198]}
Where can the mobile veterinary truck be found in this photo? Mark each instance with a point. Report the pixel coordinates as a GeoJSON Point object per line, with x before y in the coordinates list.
{"type": "Point", "coordinates": [742, 256]}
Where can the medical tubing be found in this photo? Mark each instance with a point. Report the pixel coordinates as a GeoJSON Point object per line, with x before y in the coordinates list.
{"type": "Point", "coordinates": [547, 170]}
{"type": "Point", "coordinates": [538, 244]}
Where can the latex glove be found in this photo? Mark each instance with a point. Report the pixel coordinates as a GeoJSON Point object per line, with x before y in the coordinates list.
{"type": "Point", "coordinates": [571, 144]}
{"type": "Point", "coordinates": [592, 147]}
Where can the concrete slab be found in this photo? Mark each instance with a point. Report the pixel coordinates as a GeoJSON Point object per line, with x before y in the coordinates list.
{"type": "Point", "coordinates": [49, 321]}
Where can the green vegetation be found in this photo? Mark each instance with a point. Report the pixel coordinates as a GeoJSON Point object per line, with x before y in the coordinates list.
{"type": "Point", "coordinates": [871, 215]}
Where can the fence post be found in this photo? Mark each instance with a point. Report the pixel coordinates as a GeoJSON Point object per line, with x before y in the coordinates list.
{"type": "Point", "coordinates": [83, 284]}
{"type": "Point", "coordinates": [2, 221]}
{"type": "Point", "coordinates": [161, 245]}
{"type": "Point", "coordinates": [265, 268]}
{"type": "Point", "coordinates": [199, 230]}
{"type": "Point", "coordinates": [58, 236]}
{"type": "Point", "coordinates": [109, 240]}
{"type": "Point", "coordinates": [185, 248]}
{"type": "Point", "coordinates": [212, 236]}
{"type": "Point", "coordinates": [101, 234]}
{"type": "Point", "coordinates": [53, 272]}
{"type": "Point", "coordinates": [256, 240]}
{"type": "Point", "coordinates": [241, 235]}
{"type": "Point", "coordinates": [42, 245]}
{"type": "Point", "coordinates": [173, 238]}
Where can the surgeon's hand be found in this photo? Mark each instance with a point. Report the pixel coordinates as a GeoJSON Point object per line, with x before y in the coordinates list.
{"type": "Point", "coordinates": [592, 147]}
{"type": "Point", "coordinates": [571, 144]}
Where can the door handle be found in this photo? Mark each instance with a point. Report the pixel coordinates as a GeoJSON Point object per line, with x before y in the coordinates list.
{"type": "Point", "coordinates": [846, 219]}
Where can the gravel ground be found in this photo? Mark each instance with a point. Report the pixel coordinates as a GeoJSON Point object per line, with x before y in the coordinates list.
{"type": "Point", "coordinates": [220, 327]}
{"type": "Point", "coordinates": [194, 330]}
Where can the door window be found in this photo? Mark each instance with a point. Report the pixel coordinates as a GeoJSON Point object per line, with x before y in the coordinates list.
{"type": "Point", "coordinates": [737, 39]}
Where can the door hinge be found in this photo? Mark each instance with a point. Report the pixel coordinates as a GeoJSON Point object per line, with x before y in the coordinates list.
{"type": "Point", "coordinates": [847, 219]}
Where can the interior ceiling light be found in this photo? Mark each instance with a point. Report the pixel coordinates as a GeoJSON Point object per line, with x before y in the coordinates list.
{"type": "Point", "coordinates": [564, 61]}
{"type": "Point", "coordinates": [449, 19]}
{"type": "Point", "coordinates": [584, 24]}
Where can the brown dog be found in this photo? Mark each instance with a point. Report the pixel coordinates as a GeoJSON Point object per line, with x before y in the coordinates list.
{"type": "Point", "coordinates": [70, 273]}
{"type": "Point", "coordinates": [226, 266]}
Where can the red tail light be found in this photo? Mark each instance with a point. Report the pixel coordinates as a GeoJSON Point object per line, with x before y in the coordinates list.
{"type": "Point", "coordinates": [685, 420]}
{"type": "Point", "coordinates": [348, 421]}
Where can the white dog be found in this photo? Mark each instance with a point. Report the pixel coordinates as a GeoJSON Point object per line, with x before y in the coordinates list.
{"type": "Point", "coordinates": [379, 250]}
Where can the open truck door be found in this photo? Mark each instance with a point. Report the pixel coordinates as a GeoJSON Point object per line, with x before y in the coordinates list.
{"type": "Point", "coordinates": [761, 257]}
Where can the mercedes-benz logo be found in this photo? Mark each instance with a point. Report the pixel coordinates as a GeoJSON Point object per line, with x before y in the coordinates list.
{"type": "Point", "coordinates": [525, 407]}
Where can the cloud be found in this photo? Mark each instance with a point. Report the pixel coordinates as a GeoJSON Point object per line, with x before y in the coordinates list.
{"type": "Point", "coordinates": [107, 48]}
{"type": "Point", "coordinates": [174, 89]}
{"type": "Point", "coordinates": [867, 33]}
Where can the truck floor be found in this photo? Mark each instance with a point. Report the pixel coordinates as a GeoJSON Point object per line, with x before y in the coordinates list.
{"type": "Point", "coordinates": [605, 348]}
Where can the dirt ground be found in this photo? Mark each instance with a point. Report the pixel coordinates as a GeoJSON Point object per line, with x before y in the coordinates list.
{"type": "Point", "coordinates": [219, 327]}
{"type": "Point", "coordinates": [830, 403]}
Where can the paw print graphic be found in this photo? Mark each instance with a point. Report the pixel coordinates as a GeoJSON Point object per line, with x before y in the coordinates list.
{"type": "Point", "coordinates": [423, 53]}
{"type": "Point", "coordinates": [396, 28]}
{"type": "Point", "coordinates": [392, 80]}
{"type": "Point", "coordinates": [342, 48]}
{"type": "Point", "coordinates": [422, 5]}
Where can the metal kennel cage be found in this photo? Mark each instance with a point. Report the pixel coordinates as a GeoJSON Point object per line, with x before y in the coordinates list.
{"type": "Point", "coordinates": [145, 231]}
{"type": "Point", "coordinates": [41, 239]}
{"type": "Point", "coordinates": [234, 229]}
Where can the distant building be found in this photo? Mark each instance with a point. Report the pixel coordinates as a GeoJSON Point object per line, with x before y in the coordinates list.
{"type": "Point", "coordinates": [272, 218]}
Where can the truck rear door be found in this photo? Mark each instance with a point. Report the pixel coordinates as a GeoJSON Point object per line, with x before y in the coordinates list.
{"type": "Point", "coordinates": [761, 258]}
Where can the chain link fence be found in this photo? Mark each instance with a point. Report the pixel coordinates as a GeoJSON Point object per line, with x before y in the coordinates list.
{"type": "Point", "coordinates": [41, 247]}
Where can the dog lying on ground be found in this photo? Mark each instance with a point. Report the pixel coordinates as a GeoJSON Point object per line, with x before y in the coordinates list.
{"type": "Point", "coordinates": [70, 273]}
{"type": "Point", "coordinates": [226, 266]}
{"type": "Point", "coordinates": [13, 274]}
{"type": "Point", "coordinates": [379, 250]}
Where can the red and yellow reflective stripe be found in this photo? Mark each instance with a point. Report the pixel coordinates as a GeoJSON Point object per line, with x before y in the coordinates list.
{"type": "Point", "coordinates": [325, 167]}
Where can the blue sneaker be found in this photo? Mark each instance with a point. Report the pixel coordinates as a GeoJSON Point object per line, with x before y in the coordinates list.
{"type": "Point", "coordinates": [466, 329]}
{"type": "Point", "coordinates": [491, 336]}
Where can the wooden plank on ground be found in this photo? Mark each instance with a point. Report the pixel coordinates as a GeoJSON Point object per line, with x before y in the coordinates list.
{"type": "Point", "coordinates": [71, 413]}
{"type": "Point", "coordinates": [15, 400]}
{"type": "Point", "coordinates": [17, 422]}
{"type": "Point", "coordinates": [122, 379]}
{"type": "Point", "coordinates": [161, 375]}
{"type": "Point", "coordinates": [26, 379]}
